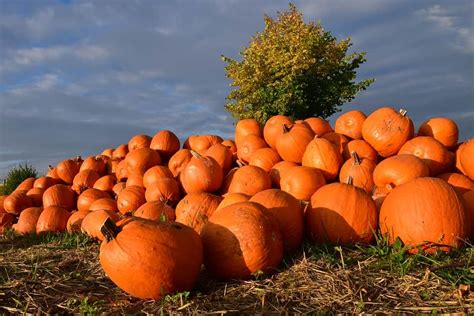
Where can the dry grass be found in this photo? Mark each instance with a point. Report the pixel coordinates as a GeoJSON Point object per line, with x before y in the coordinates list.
{"type": "Point", "coordinates": [61, 274]}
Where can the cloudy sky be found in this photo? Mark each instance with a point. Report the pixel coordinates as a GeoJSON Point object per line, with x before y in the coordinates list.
{"type": "Point", "coordinates": [80, 76]}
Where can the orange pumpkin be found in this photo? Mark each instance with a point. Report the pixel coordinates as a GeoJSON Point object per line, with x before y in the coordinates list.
{"type": "Point", "coordinates": [45, 182]}
{"type": "Point", "coordinates": [52, 219]}
{"type": "Point", "coordinates": [179, 160]}
{"type": "Point", "coordinates": [250, 180]}
{"type": "Point", "coordinates": [468, 199]}
{"type": "Point", "coordinates": [222, 154]}
{"type": "Point", "coordinates": [59, 195]}
{"type": "Point", "coordinates": [265, 158]}
{"type": "Point", "coordinates": [74, 222]}
{"type": "Point", "coordinates": [288, 212]}
{"type": "Point", "coordinates": [121, 151]}
{"type": "Point", "coordinates": [164, 189]}
{"type": "Point", "coordinates": [84, 180]}
{"type": "Point", "coordinates": [156, 211]}
{"type": "Point", "coordinates": [200, 143]}
{"type": "Point", "coordinates": [341, 213]}
{"type": "Point", "coordinates": [442, 129]}
{"type": "Point", "coordinates": [458, 155]}
{"type": "Point", "coordinates": [130, 199]}
{"type": "Point", "coordinates": [142, 159]}
{"type": "Point", "coordinates": [292, 143]}
{"type": "Point", "coordinates": [67, 169]}
{"type": "Point", "coordinates": [201, 174]}
{"type": "Point", "coordinates": [53, 173]}
{"type": "Point", "coordinates": [433, 153]}
{"type": "Point", "coordinates": [467, 162]}
{"type": "Point", "coordinates": [232, 198]}
{"type": "Point", "coordinates": [398, 170]}
{"type": "Point", "coordinates": [323, 155]}
{"type": "Point", "coordinates": [361, 147]}
{"type": "Point", "coordinates": [150, 259]}
{"type": "Point", "coordinates": [302, 182]}
{"type": "Point", "coordinates": [350, 124]}
{"type": "Point", "coordinates": [247, 127]}
{"type": "Point", "coordinates": [108, 152]}
{"type": "Point", "coordinates": [318, 125]}
{"type": "Point", "coordinates": [93, 221]}
{"type": "Point", "coordinates": [17, 202]}
{"type": "Point", "coordinates": [273, 129]}
{"type": "Point", "coordinates": [278, 171]}
{"type": "Point", "coordinates": [386, 130]}
{"type": "Point", "coordinates": [95, 163]}
{"type": "Point", "coordinates": [155, 173]}
{"type": "Point", "coordinates": [232, 147]}
{"type": "Point", "coordinates": [118, 187]}
{"type": "Point", "coordinates": [106, 203]}
{"type": "Point", "coordinates": [417, 213]}
{"type": "Point", "coordinates": [122, 170]}
{"type": "Point", "coordinates": [460, 182]}
{"type": "Point", "coordinates": [195, 209]}
{"type": "Point", "coordinates": [26, 184]}
{"type": "Point", "coordinates": [27, 221]}
{"type": "Point", "coordinates": [248, 145]}
{"type": "Point", "coordinates": [105, 183]}
{"type": "Point", "coordinates": [87, 197]}
{"type": "Point", "coordinates": [6, 222]}
{"type": "Point", "coordinates": [361, 170]}
{"type": "Point", "coordinates": [338, 140]}
{"type": "Point", "coordinates": [36, 195]}
{"type": "Point", "coordinates": [138, 142]}
{"type": "Point", "coordinates": [166, 143]}
{"type": "Point", "coordinates": [135, 180]}
{"type": "Point", "coordinates": [242, 239]}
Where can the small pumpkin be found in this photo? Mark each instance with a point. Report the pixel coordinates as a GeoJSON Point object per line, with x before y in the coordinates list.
{"type": "Point", "coordinates": [142, 159]}
{"type": "Point", "coordinates": [130, 199]}
{"type": "Point", "coordinates": [135, 180]}
{"type": "Point", "coordinates": [105, 203]}
{"type": "Point", "coordinates": [67, 169]}
{"type": "Point", "coordinates": [108, 152]}
{"type": "Point", "coordinates": [166, 143]}
{"type": "Point", "coordinates": [222, 154]}
{"type": "Point", "coordinates": [155, 173]}
{"type": "Point", "coordinates": [16, 202]}
{"type": "Point", "coordinates": [201, 174]}
{"type": "Point", "coordinates": [36, 195]}
{"type": "Point", "coordinates": [84, 180]}
{"type": "Point", "coordinates": [179, 160]}
{"type": "Point", "coordinates": [201, 143]}
{"type": "Point", "coordinates": [273, 129]}
{"type": "Point", "coordinates": [96, 163]}
{"type": "Point", "coordinates": [45, 182]}
{"type": "Point", "coordinates": [467, 162]}
{"type": "Point", "coordinates": [138, 142]}
{"type": "Point", "coordinates": [121, 151]}
{"type": "Point", "coordinates": [150, 259]}
{"type": "Point", "coordinates": [87, 197]}
{"type": "Point", "coordinates": [164, 189]}
{"type": "Point", "coordinates": [232, 147]}
{"type": "Point", "coordinates": [361, 170]}
{"type": "Point", "coordinates": [460, 182]}
{"type": "Point", "coordinates": [361, 147]}
{"type": "Point", "coordinates": [249, 180]}
{"type": "Point", "coordinates": [232, 198]}
{"type": "Point", "coordinates": [350, 124]}
{"type": "Point", "coordinates": [195, 209]}
{"type": "Point", "coordinates": [122, 170]}
{"type": "Point", "coordinates": [156, 211]}
{"type": "Point", "coordinates": [93, 221]}
{"type": "Point", "coordinates": [52, 219]}
{"type": "Point", "coordinates": [249, 145]}
{"type": "Point", "coordinates": [247, 127]}
{"type": "Point", "coordinates": [323, 155]}
{"type": "Point", "coordinates": [292, 143]}
{"type": "Point", "coordinates": [386, 130]}
{"type": "Point", "coordinates": [302, 182]}
{"type": "Point", "coordinates": [338, 140]}
{"type": "Point", "coordinates": [59, 195]}
{"type": "Point", "coordinates": [318, 125]}
{"type": "Point", "coordinates": [27, 221]}
{"type": "Point", "coordinates": [74, 222]}
{"type": "Point", "coordinates": [279, 170]}
{"type": "Point", "coordinates": [242, 239]}
{"type": "Point", "coordinates": [265, 158]}
{"type": "Point", "coordinates": [53, 173]}
{"type": "Point", "coordinates": [442, 129]}
{"type": "Point", "coordinates": [106, 183]}
{"type": "Point", "coordinates": [26, 184]}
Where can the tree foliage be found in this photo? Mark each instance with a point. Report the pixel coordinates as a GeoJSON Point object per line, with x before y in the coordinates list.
{"type": "Point", "coordinates": [293, 68]}
{"type": "Point", "coordinates": [16, 176]}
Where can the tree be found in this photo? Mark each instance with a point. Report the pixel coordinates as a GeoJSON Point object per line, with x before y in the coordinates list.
{"type": "Point", "coordinates": [16, 176]}
{"type": "Point", "coordinates": [293, 68]}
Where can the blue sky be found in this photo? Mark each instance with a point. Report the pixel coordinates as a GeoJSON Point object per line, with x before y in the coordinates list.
{"type": "Point", "coordinates": [80, 76]}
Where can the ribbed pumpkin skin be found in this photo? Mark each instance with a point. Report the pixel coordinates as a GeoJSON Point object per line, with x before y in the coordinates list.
{"type": "Point", "coordinates": [105, 183]}
{"type": "Point", "coordinates": [195, 209]}
{"type": "Point", "coordinates": [460, 182]}
{"type": "Point", "coordinates": [468, 198]}
{"type": "Point", "coordinates": [92, 222]}
{"type": "Point", "coordinates": [302, 182]}
{"type": "Point", "coordinates": [247, 127]}
{"type": "Point", "coordinates": [338, 140]}
{"type": "Point", "coordinates": [52, 219]}
{"type": "Point", "coordinates": [139, 141]}
{"type": "Point", "coordinates": [433, 153]}
{"type": "Point", "coordinates": [361, 170]}
{"type": "Point", "coordinates": [424, 210]}
{"type": "Point", "coordinates": [318, 125]}
{"type": "Point", "coordinates": [442, 129]}
{"type": "Point", "coordinates": [121, 151]}
{"type": "Point", "coordinates": [27, 221]}
{"type": "Point", "coordinates": [350, 124]}
{"type": "Point", "coordinates": [467, 161]}
{"type": "Point", "coordinates": [156, 211]}
{"type": "Point", "coordinates": [248, 145]}
{"type": "Point", "coordinates": [166, 143]}
{"type": "Point", "coordinates": [150, 259]}
{"type": "Point", "coordinates": [274, 128]}
{"type": "Point", "coordinates": [134, 180]}
{"type": "Point", "coordinates": [241, 239]}
{"type": "Point", "coordinates": [288, 212]}
{"type": "Point", "coordinates": [94, 163]}
{"type": "Point", "coordinates": [36, 196]}
{"type": "Point", "coordinates": [278, 171]}
{"type": "Point", "coordinates": [250, 180]}
{"type": "Point", "coordinates": [179, 160]}
{"type": "Point", "coordinates": [322, 155]}
{"type": "Point", "coordinates": [17, 202]}
{"type": "Point", "coordinates": [84, 180]}
{"type": "Point", "coordinates": [155, 173]}
{"type": "Point", "coordinates": [6, 221]}
{"type": "Point", "coordinates": [26, 184]}
{"type": "Point", "coordinates": [222, 155]}
{"type": "Point", "coordinates": [200, 143]}
{"type": "Point", "coordinates": [67, 169]}
{"type": "Point", "coordinates": [398, 170]}
{"type": "Point", "coordinates": [342, 214]}
{"type": "Point", "coordinates": [201, 174]}
{"type": "Point", "coordinates": [386, 130]}
{"type": "Point", "coordinates": [232, 198]}
{"type": "Point", "coordinates": [361, 147]}
{"type": "Point", "coordinates": [75, 221]}
{"type": "Point", "coordinates": [45, 182]}
{"type": "Point", "coordinates": [292, 143]}
{"type": "Point", "coordinates": [89, 196]}
{"type": "Point", "coordinates": [164, 189]}
{"type": "Point", "coordinates": [265, 158]}
{"type": "Point", "coordinates": [104, 204]}
{"type": "Point", "coordinates": [59, 195]}
{"type": "Point", "coordinates": [130, 199]}
{"type": "Point", "coordinates": [142, 159]}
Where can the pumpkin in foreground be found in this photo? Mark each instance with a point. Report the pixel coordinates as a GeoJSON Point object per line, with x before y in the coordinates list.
{"type": "Point", "coordinates": [150, 259]}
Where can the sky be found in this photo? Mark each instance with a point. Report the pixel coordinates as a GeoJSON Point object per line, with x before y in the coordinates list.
{"type": "Point", "coordinates": [77, 77]}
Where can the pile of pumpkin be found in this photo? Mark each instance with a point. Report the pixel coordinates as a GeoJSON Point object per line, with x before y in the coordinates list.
{"type": "Point", "coordinates": [237, 206]}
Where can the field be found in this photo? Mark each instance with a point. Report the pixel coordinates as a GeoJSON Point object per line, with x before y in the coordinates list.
{"type": "Point", "coordinates": [61, 274]}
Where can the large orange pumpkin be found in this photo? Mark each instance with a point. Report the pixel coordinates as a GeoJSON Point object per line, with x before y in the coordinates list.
{"type": "Point", "coordinates": [156, 211]}
{"type": "Point", "coordinates": [52, 219]}
{"type": "Point", "coordinates": [273, 129]}
{"type": "Point", "coordinates": [323, 155]}
{"type": "Point", "coordinates": [292, 143]}
{"type": "Point", "coordinates": [106, 183]}
{"type": "Point", "coordinates": [442, 129]}
{"type": "Point", "coordinates": [59, 195]}
{"type": "Point", "coordinates": [288, 212]}
{"type": "Point", "coordinates": [150, 259]}
{"type": "Point", "coordinates": [27, 221]}
{"type": "Point", "coordinates": [67, 169]}
{"type": "Point", "coordinates": [84, 180]}
{"type": "Point", "coordinates": [433, 153]}
{"type": "Point", "coordinates": [386, 130]}
{"type": "Point", "coordinates": [166, 143]}
{"type": "Point", "coordinates": [279, 170]}
{"type": "Point", "coordinates": [195, 209]}
{"type": "Point", "coordinates": [222, 154]}
{"type": "Point", "coordinates": [142, 159]}
{"type": "Point", "coordinates": [265, 158]}
{"type": "Point", "coordinates": [242, 239]}
{"type": "Point", "coordinates": [341, 213]}
{"type": "Point", "coordinates": [17, 202]}
{"type": "Point", "coordinates": [106, 203]}
{"type": "Point", "coordinates": [201, 174]}
{"type": "Point", "coordinates": [302, 182]}
{"type": "Point", "coordinates": [247, 127]}
{"type": "Point", "coordinates": [398, 170]}
{"type": "Point", "coordinates": [95, 163]}
{"type": "Point", "coordinates": [426, 213]}
{"type": "Point", "coordinates": [249, 145]}
{"type": "Point", "coordinates": [139, 141]}
{"type": "Point", "coordinates": [88, 197]}
{"type": "Point", "coordinates": [164, 189]}
{"type": "Point", "coordinates": [249, 180]}
{"type": "Point", "coordinates": [361, 170]}
{"type": "Point", "coordinates": [467, 162]}
{"type": "Point", "coordinates": [155, 173]}
{"type": "Point", "coordinates": [350, 124]}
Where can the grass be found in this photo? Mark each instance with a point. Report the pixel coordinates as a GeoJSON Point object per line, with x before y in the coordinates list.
{"type": "Point", "coordinates": [60, 273]}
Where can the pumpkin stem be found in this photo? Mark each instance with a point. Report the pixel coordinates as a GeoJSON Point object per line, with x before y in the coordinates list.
{"type": "Point", "coordinates": [350, 180]}
{"type": "Point", "coordinates": [286, 128]}
{"type": "Point", "coordinates": [403, 112]}
{"type": "Point", "coordinates": [356, 158]}
{"type": "Point", "coordinates": [109, 229]}
{"type": "Point", "coordinates": [196, 154]}
{"type": "Point", "coordinates": [50, 167]}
